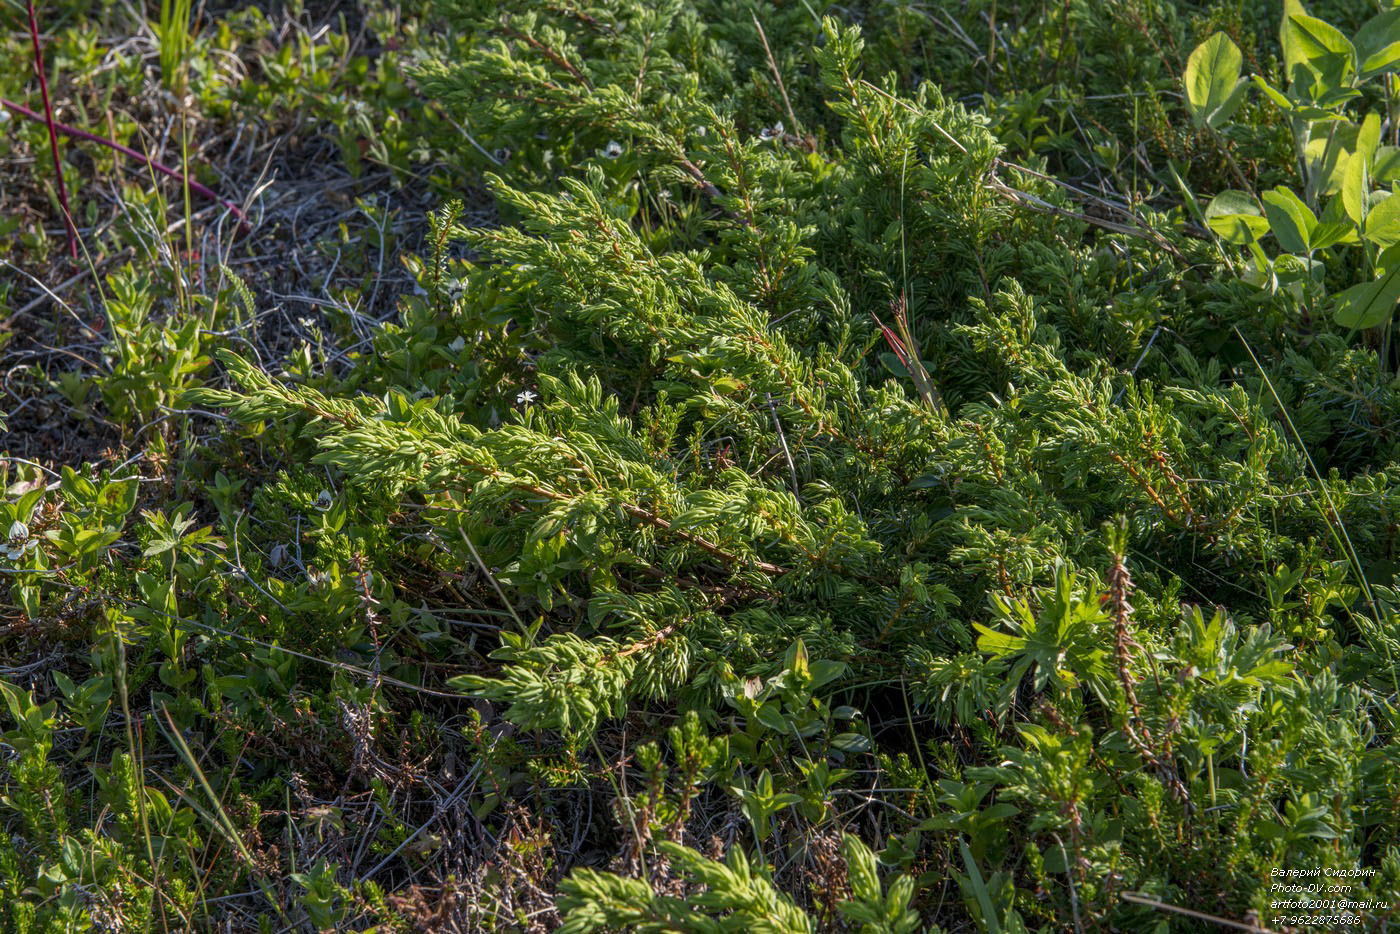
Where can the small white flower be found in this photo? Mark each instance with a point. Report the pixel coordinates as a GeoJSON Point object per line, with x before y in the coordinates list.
{"type": "Point", "coordinates": [457, 345]}
{"type": "Point", "coordinates": [701, 130]}
{"type": "Point", "coordinates": [323, 501]}
{"type": "Point", "coordinates": [526, 397]}
{"type": "Point", "coordinates": [613, 149]}
{"type": "Point", "coordinates": [19, 542]}
{"type": "Point", "coordinates": [778, 128]}
{"type": "Point", "coordinates": [307, 323]}
{"type": "Point", "coordinates": [766, 133]}
{"type": "Point", "coordinates": [4, 116]}
{"type": "Point", "coordinates": [502, 154]}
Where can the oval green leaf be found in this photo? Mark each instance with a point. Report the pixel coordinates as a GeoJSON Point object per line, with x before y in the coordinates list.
{"type": "Point", "coordinates": [1323, 48]}
{"type": "Point", "coordinates": [1383, 223]}
{"type": "Point", "coordinates": [1377, 44]}
{"type": "Point", "coordinates": [1371, 303]}
{"type": "Point", "coordinates": [1235, 217]}
{"type": "Point", "coordinates": [1212, 81]}
{"type": "Point", "coordinates": [1290, 219]}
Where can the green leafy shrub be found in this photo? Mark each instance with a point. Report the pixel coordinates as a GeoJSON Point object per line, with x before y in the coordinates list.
{"type": "Point", "coordinates": [680, 454]}
{"type": "Point", "coordinates": [786, 512]}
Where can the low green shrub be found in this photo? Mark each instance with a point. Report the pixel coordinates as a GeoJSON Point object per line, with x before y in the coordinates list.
{"type": "Point", "coordinates": [805, 504]}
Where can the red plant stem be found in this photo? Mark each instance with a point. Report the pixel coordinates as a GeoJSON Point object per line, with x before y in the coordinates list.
{"type": "Point", "coordinates": [895, 343]}
{"type": "Point", "coordinates": [53, 135]}
{"type": "Point", "coordinates": [76, 133]}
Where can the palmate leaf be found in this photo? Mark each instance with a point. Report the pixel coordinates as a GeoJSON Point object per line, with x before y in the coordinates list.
{"type": "Point", "coordinates": [1060, 640]}
{"type": "Point", "coordinates": [1214, 88]}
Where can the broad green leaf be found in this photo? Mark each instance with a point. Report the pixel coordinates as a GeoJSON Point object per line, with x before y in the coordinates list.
{"type": "Point", "coordinates": [997, 643]}
{"type": "Point", "coordinates": [1371, 303]}
{"type": "Point", "coordinates": [1334, 227]}
{"type": "Point", "coordinates": [1328, 151]}
{"type": "Point", "coordinates": [1257, 272]}
{"type": "Point", "coordinates": [770, 716]}
{"type": "Point", "coordinates": [1354, 185]}
{"type": "Point", "coordinates": [1386, 169]}
{"type": "Point", "coordinates": [1335, 99]}
{"type": "Point", "coordinates": [1369, 136]}
{"type": "Point", "coordinates": [851, 743]}
{"type": "Point", "coordinates": [1292, 52]}
{"type": "Point", "coordinates": [1290, 219]}
{"type": "Point", "coordinates": [1386, 60]}
{"type": "Point", "coordinates": [1232, 201]}
{"type": "Point", "coordinates": [1356, 182]}
{"type": "Point", "coordinates": [1323, 49]}
{"type": "Point", "coordinates": [1212, 81]}
{"type": "Point", "coordinates": [1378, 44]}
{"type": "Point", "coordinates": [1383, 222]}
{"type": "Point", "coordinates": [1239, 229]}
{"type": "Point", "coordinates": [1236, 218]}
{"type": "Point", "coordinates": [1317, 38]}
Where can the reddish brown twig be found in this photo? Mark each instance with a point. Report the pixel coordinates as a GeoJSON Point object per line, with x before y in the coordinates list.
{"type": "Point", "coordinates": [907, 352]}
{"type": "Point", "coordinates": [196, 187]}
{"type": "Point", "coordinates": [53, 135]}
{"type": "Point", "coordinates": [1120, 587]}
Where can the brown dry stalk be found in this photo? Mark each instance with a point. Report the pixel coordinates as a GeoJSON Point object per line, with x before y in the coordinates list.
{"type": "Point", "coordinates": [367, 604]}
{"type": "Point", "coordinates": [776, 75]}
{"type": "Point", "coordinates": [1120, 586]}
